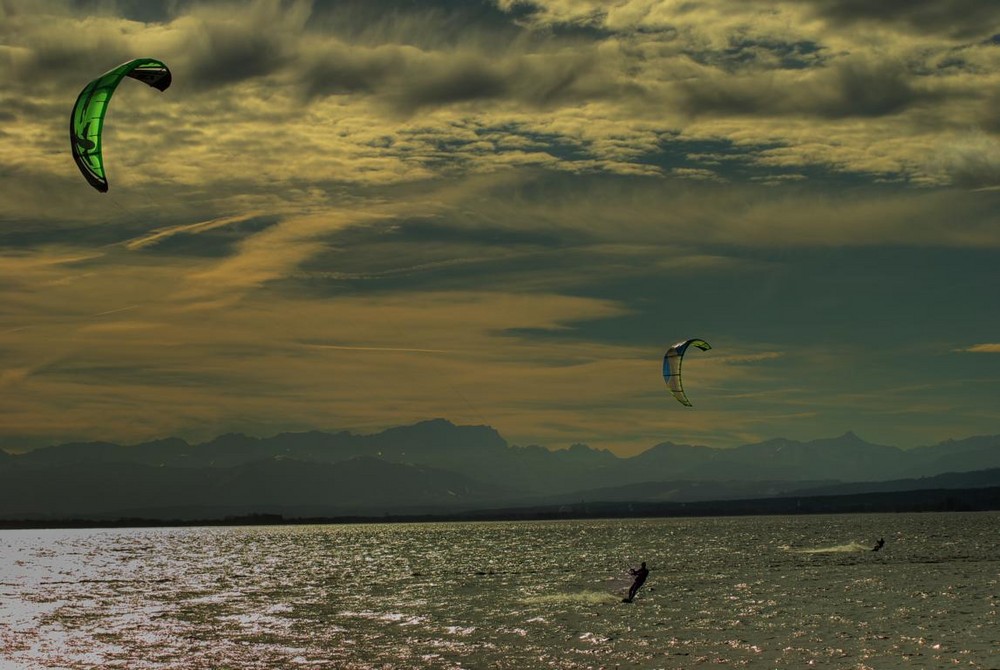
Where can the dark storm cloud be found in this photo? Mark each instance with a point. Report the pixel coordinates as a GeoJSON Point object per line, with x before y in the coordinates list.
{"type": "Point", "coordinates": [133, 10]}
{"type": "Point", "coordinates": [439, 24]}
{"type": "Point", "coordinates": [870, 90]}
{"type": "Point", "coordinates": [63, 59]}
{"type": "Point", "coordinates": [429, 24]}
{"type": "Point", "coordinates": [344, 70]}
{"type": "Point", "coordinates": [418, 55]}
{"type": "Point", "coordinates": [847, 89]}
{"type": "Point", "coordinates": [218, 43]}
{"type": "Point", "coordinates": [451, 84]}
{"type": "Point", "coordinates": [408, 79]}
{"type": "Point", "coordinates": [218, 50]}
{"type": "Point", "coordinates": [744, 52]}
{"type": "Point", "coordinates": [956, 18]}
{"type": "Point", "coordinates": [225, 55]}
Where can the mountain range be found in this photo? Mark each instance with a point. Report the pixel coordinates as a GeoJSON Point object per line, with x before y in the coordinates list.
{"type": "Point", "coordinates": [439, 466]}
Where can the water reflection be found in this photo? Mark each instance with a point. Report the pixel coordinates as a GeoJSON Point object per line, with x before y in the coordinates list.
{"type": "Point", "coordinates": [791, 591]}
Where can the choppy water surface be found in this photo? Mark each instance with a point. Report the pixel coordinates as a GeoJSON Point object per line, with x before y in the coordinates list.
{"type": "Point", "coordinates": [761, 592]}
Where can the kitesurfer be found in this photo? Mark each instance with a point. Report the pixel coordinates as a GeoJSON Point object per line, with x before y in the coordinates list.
{"type": "Point", "coordinates": [879, 544]}
{"type": "Point", "coordinates": [640, 575]}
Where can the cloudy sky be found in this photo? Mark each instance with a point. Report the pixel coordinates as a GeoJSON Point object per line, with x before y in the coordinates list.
{"type": "Point", "coordinates": [360, 214]}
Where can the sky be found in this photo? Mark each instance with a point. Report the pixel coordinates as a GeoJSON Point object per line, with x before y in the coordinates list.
{"type": "Point", "coordinates": [360, 214]}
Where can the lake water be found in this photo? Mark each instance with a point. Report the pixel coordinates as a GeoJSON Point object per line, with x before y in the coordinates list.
{"type": "Point", "coordinates": [757, 592]}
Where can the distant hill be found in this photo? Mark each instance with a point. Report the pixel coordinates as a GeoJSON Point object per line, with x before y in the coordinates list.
{"type": "Point", "coordinates": [701, 491]}
{"type": "Point", "coordinates": [845, 458]}
{"type": "Point", "coordinates": [441, 466]}
{"type": "Point", "coordinates": [976, 479]}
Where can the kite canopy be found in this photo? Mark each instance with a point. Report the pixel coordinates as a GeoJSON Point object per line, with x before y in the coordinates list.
{"type": "Point", "coordinates": [87, 118]}
{"type": "Point", "coordinates": [672, 367]}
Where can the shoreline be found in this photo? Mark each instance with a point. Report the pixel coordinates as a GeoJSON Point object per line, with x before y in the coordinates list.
{"type": "Point", "coordinates": [933, 500]}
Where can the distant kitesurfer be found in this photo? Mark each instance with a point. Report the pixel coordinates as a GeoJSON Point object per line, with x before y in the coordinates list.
{"type": "Point", "coordinates": [640, 577]}
{"type": "Point", "coordinates": [879, 544]}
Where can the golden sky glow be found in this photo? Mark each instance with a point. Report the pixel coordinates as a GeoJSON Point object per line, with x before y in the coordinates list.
{"type": "Point", "coordinates": [352, 215]}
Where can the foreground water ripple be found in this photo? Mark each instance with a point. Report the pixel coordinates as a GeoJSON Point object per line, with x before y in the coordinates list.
{"type": "Point", "coordinates": [776, 592]}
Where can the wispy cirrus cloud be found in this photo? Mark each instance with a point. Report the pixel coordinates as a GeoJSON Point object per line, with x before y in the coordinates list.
{"type": "Point", "coordinates": [160, 235]}
{"type": "Point", "coordinates": [985, 348]}
{"type": "Point", "coordinates": [962, 19]}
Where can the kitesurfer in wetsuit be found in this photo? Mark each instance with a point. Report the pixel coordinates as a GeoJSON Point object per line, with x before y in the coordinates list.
{"type": "Point", "coordinates": [879, 544]}
{"type": "Point", "coordinates": [640, 577]}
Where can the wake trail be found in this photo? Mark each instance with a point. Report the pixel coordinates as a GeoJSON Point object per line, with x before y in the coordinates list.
{"type": "Point", "coordinates": [847, 548]}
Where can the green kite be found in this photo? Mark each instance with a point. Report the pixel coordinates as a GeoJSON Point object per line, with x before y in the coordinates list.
{"type": "Point", "coordinates": [87, 120]}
